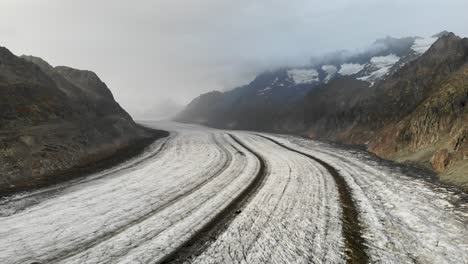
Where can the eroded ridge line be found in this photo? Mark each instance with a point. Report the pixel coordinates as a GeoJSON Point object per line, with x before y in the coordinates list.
{"type": "Point", "coordinates": [355, 246]}
{"type": "Point", "coordinates": [216, 226]}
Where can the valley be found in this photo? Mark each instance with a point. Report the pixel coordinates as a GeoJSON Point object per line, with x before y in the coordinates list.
{"type": "Point", "coordinates": [203, 195]}
{"type": "Point", "coordinates": [233, 132]}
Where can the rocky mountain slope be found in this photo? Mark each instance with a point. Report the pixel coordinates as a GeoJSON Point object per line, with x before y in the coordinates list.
{"type": "Point", "coordinates": [406, 101]}
{"type": "Point", "coordinates": [417, 114]}
{"type": "Point", "coordinates": [56, 120]}
{"type": "Point", "coordinates": [270, 102]}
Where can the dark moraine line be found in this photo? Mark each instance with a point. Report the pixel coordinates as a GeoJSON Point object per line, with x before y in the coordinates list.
{"type": "Point", "coordinates": [131, 150]}
{"type": "Point", "coordinates": [54, 190]}
{"type": "Point", "coordinates": [216, 226]}
{"type": "Point", "coordinates": [355, 247]}
{"type": "Point", "coordinates": [81, 247]}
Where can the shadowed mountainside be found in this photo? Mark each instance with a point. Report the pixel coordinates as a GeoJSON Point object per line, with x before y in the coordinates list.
{"type": "Point", "coordinates": [273, 100]}
{"type": "Point", "coordinates": [55, 120]}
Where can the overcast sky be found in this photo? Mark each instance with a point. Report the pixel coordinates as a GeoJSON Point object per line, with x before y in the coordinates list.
{"type": "Point", "coordinates": [150, 50]}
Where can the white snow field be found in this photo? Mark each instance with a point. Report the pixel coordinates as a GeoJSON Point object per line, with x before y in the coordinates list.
{"type": "Point", "coordinates": [301, 76]}
{"type": "Point", "coordinates": [149, 208]}
{"type": "Point", "coordinates": [380, 66]}
{"type": "Point", "coordinates": [331, 70]}
{"type": "Point", "coordinates": [421, 45]}
{"type": "Point", "coordinates": [350, 68]}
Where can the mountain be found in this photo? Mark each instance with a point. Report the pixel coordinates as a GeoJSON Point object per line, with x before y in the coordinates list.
{"type": "Point", "coordinates": [418, 114]}
{"type": "Point", "coordinates": [404, 99]}
{"type": "Point", "coordinates": [57, 121]}
{"type": "Point", "coordinates": [270, 102]}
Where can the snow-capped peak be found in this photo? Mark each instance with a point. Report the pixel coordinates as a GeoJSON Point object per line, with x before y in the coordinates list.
{"type": "Point", "coordinates": [331, 70]}
{"type": "Point", "coordinates": [350, 68]}
{"type": "Point", "coordinates": [421, 45]}
{"type": "Point", "coordinates": [301, 76]}
{"type": "Point", "coordinates": [379, 67]}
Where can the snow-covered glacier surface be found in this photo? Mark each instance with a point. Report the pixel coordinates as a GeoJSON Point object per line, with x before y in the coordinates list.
{"type": "Point", "coordinates": [145, 209]}
{"type": "Point", "coordinates": [406, 219]}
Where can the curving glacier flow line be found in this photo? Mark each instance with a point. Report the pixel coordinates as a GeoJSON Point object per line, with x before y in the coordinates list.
{"type": "Point", "coordinates": [294, 217]}
{"type": "Point", "coordinates": [356, 249]}
{"type": "Point", "coordinates": [405, 219]}
{"type": "Point", "coordinates": [214, 196]}
{"type": "Point", "coordinates": [61, 228]}
{"type": "Point", "coordinates": [212, 229]}
{"type": "Point", "coordinates": [17, 202]}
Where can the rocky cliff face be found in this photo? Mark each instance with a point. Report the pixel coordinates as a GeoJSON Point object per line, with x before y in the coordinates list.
{"type": "Point", "coordinates": [418, 114]}
{"type": "Point", "coordinates": [435, 133]}
{"type": "Point", "coordinates": [55, 119]}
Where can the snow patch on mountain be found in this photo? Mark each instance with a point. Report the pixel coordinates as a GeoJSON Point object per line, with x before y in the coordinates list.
{"type": "Point", "coordinates": [421, 45]}
{"type": "Point", "coordinates": [350, 68]}
{"type": "Point", "coordinates": [263, 91]}
{"type": "Point", "coordinates": [301, 76]}
{"type": "Point", "coordinates": [380, 66]}
{"type": "Point", "coordinates": [331, 70]}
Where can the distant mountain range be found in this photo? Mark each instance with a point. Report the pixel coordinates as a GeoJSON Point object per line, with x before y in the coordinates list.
{"type": "Point", "coordinates": [270, 101]}
{"type": "Point", "coordinates": [403, 98]}
{"type": "Point", "coordinates": [55, 121]}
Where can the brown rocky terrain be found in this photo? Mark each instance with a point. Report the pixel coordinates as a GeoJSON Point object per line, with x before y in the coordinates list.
{"type": "Point", "coordinates": [57, 121]}
{"type": "Point", "coordinates": [416, 115]}
{"type": "Point", "coordinates": [435, 134]}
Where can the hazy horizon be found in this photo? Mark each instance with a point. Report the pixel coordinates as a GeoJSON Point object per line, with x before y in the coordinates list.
{"type": "Point", "coordinates": [155, 50]}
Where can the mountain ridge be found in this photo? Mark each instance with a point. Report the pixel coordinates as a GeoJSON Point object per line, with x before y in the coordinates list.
{"type": "Point", "coordinates": [275, 93]}
{"type": "Point", "coordinates": [57, 121]}
{"type": "Point", "coordinates": [410, 101]}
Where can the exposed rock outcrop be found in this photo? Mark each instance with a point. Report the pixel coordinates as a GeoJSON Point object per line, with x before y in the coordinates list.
{"type": "Point", "coordinates": [418, 114]}
{"type": "Point", "coordinates": [440, 160]}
